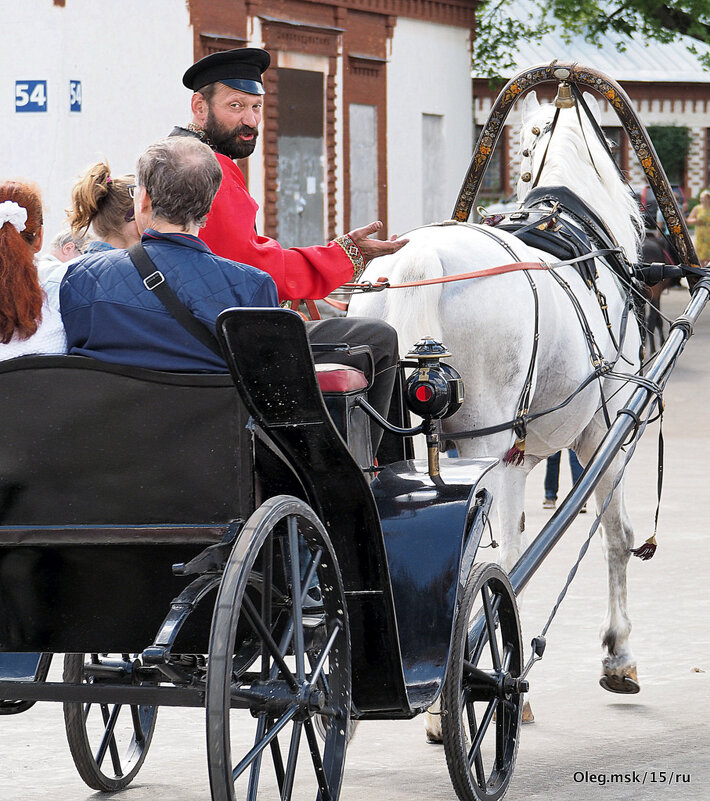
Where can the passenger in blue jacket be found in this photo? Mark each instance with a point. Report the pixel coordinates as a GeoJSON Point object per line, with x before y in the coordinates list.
{"type": "Point", "coordinates": [107, 310]}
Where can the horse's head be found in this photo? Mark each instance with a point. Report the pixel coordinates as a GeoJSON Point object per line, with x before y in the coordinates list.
{"type": "Point", "coordinates": [565, 153]}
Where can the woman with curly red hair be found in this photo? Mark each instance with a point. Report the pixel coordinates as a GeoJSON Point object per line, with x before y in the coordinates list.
{"type": "Point", "coordinates": [30, 321]}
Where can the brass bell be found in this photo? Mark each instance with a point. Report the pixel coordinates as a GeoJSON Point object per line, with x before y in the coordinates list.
{"type": "Point", "coordinates": [564, 97]}
{"type": "Point", "coordinates": [526, 176]}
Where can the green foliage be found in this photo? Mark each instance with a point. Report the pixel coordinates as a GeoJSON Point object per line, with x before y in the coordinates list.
{"type": "Point", "coordinates": [498, 33]}
{"type": "Point", "coordinates": [672, 143]}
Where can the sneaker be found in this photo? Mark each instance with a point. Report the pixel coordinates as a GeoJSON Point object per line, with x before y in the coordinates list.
{"type": "Point", "coordinates": [549, 503]}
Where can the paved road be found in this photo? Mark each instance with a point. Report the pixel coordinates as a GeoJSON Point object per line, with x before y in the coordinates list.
{"type": "Point", "coordinates": [582, 734]}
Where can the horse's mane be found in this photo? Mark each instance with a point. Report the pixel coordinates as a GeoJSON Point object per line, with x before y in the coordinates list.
{"type": "Point", "coordinates": [568, 163]}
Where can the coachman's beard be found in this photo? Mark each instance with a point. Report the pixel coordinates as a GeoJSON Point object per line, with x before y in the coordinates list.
{"type": "Point", "coordinates": [226, 140]}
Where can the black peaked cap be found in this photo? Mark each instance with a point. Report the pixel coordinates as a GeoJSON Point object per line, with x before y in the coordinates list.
{"type": "Point", "coordinates": [241, 69]}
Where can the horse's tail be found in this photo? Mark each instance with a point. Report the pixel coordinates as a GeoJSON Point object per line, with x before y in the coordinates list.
{"type": "Point", "coordinates": [414, 311]}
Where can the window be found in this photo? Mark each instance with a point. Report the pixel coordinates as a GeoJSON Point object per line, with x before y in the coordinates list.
{"type": "Point", "coordinates": [672, 143]}
{"type": "Point", "coordinates": [363, 164]}
{"type": "Point", "coordinates": [434, 206]}
{"type": "Point", "coordinates": [492, 185]}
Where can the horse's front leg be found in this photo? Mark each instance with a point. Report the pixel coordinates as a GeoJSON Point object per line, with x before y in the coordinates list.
{"type": "Point", "coordinates": [509, 501]}
{"type": "Point", "coordinates": [507, 485]}
{"type": "Point", "coordinates": [619, 674]}
{"type": "Point", "coordinates": [511, 525]}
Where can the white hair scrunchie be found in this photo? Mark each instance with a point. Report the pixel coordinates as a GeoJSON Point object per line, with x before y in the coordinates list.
{"type": "Point", "coordinates": [13, 213]}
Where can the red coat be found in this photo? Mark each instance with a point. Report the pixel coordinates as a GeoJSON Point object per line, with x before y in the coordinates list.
{"type": "Point", "coordinates": [311, 272]}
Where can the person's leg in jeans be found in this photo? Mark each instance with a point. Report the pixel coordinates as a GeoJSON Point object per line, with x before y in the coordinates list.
{"type": "Point", "coordinates": [381, 338]}
{"type": "Point", "coordinates": [574, 466]}
{"type": "Point", "coordinates": [577, 470]}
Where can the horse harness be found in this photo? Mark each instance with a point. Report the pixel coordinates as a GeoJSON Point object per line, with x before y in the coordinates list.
{"type": "Point", "coordinates": [556, 220]}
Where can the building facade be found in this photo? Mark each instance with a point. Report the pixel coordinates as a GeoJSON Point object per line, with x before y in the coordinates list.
{"type": "Point", "coordinates": [367, 114]}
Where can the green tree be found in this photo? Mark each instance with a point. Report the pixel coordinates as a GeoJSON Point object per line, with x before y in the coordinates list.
{"type": "Point", "coordinates": [498, 32]}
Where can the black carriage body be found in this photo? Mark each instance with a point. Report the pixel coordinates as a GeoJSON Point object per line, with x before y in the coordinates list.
{"type": "Point", "coordinates": [402, 541]}
{"type": "Point", "coordinates": [109, 475]}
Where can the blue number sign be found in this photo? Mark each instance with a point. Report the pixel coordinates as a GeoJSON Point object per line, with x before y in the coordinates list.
{"type": "Point", "coordinates": [30, 95]}
{"type": "Point", "coordinates": [74, 95]}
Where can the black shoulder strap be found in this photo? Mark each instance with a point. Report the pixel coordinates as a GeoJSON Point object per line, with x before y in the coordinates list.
{"type": "Point", "coordinates": [154, 281]}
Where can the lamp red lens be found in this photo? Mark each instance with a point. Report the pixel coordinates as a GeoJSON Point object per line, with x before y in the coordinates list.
{"type": "Point", "coordinates": [424, 393]}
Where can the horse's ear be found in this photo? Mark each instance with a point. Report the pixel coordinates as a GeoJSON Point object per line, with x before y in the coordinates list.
{"type": "Point", "coordinates": [530, 105]}
{"type": "Point", "coordinates": [593, 106]}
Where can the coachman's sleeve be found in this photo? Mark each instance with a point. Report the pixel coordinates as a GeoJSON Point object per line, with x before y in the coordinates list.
{"type": "Point", "coordinates": [311, 272]}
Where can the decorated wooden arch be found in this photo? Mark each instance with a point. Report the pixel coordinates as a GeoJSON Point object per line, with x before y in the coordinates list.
{"type": "Point", "coordinates": [610, 90]}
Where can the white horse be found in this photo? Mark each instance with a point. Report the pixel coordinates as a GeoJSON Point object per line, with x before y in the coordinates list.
{"type": "Point", "coordinates": [489, 323]}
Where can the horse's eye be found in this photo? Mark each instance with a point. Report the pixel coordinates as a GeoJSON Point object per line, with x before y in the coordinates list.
{"type": "Point", "coordinates": [526, 153]}
{"type": "Point", "coordinates": [536, 131]}
{"type": "Point", "coordinates": [526, 176]}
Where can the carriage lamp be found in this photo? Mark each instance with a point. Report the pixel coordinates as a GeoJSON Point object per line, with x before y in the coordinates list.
{"type": "Point", "coordinates": [433, 391]}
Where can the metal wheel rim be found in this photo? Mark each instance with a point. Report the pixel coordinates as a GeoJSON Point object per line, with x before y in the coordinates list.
{"type": "Point", "coordinates": [231, 779]}
{"type": "Point", "coordinates": [481, 725]}
{"type": "Point", "coordinates": [108, 760]}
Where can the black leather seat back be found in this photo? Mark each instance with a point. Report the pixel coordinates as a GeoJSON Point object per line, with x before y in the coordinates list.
{"type": "Point", "coordinates": [85, 442]}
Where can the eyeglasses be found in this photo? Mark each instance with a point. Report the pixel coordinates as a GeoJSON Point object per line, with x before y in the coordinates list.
{"type": "Point", "coordinates": [132, 190]}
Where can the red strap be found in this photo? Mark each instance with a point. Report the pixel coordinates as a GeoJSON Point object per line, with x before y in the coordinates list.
{"type": "Point", "coordinates": [501, 269]}
{"type": "Point", "coordinates": [312, 309]}
{"type": "Point", "coordinates": [336, 304]}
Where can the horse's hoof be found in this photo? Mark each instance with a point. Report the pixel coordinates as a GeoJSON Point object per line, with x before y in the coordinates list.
{"type": "Point", "coordinates": [626, 682]}
{"type": "Point", "coordinates": [528, 716]}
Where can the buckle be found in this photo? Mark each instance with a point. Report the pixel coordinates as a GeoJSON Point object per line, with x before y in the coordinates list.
{"type": "Point", "coordinates": [154, 280]}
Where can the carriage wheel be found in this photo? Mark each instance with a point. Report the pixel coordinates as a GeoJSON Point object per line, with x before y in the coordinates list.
{"type": "Point", "coordinates": [282, 585]}
{"type": "Point", "coordinates": [16, 707]}
{"type": "Point", "coordinates": [108, 742]}
{"type": "Point", "coordinates": [481, 698]}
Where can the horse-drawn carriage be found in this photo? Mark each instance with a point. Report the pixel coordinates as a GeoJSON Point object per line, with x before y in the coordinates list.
{"type": "Point", "coordinates": [228, 542]}
{"type": "Point", "coordinates": [335, 597]}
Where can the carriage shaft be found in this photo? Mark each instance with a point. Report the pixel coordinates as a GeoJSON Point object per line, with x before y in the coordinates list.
{"type": "Point", "coordinates": [618, 433]}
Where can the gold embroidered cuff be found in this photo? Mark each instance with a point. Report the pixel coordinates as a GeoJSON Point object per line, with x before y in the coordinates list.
{"type": "Point", "coordinates": [352, 251]}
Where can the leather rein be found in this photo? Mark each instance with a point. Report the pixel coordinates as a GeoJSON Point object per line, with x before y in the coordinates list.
{"type": "Point", "coordinates": [383, 283]}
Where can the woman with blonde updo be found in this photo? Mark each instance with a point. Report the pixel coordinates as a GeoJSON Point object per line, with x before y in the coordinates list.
{"type": "Point", "coordinates": [105, 205]}
{"type": "Point", "coordinates": [30, 321]}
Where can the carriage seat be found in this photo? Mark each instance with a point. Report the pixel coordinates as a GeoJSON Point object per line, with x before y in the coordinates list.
{"type": "Point", "coordinates": [337, 379]}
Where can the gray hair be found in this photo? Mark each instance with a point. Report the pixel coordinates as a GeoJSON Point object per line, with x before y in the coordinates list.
{"type": "Point", "coordinates": [65, 236]}
{"type": "Point", "coordinates": [181, 176]}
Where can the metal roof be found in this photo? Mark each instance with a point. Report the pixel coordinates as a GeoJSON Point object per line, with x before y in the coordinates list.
{"type": "Point", "coordinates": [655, 62]}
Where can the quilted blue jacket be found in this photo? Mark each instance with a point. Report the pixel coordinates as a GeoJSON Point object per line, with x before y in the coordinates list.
{"type": "Point", "coordinates": [108, 313]}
